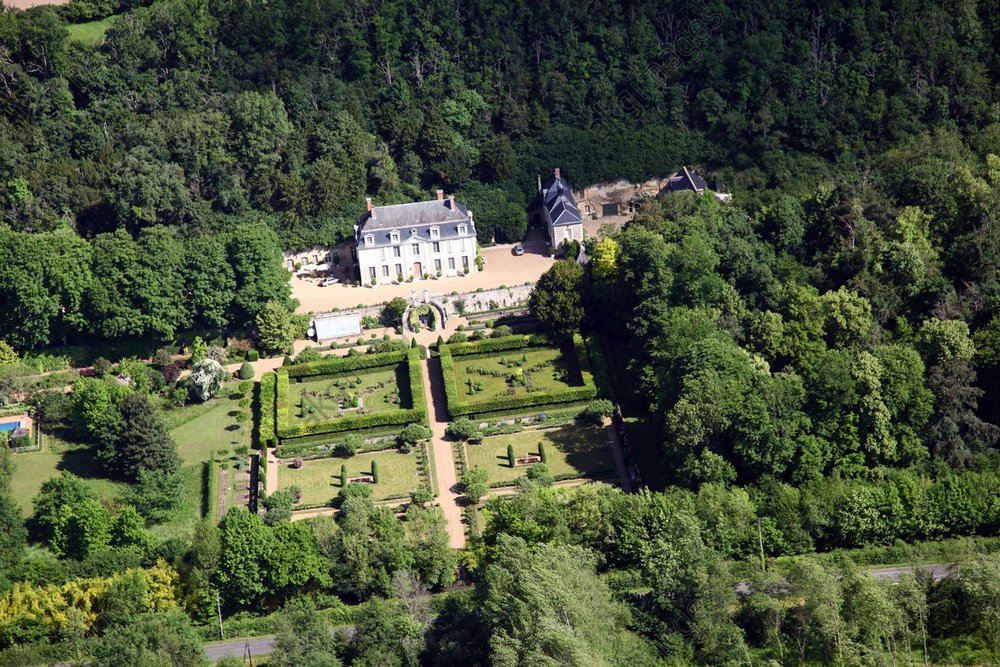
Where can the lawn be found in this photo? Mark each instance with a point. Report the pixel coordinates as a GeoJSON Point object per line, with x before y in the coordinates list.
{"type": "Point", "coordinates": [319, 479]}
{"type": "Point", "coordinates": [197, 428]}
{"type": "Point", "coordinates": [200, 428]}
{"type": "Point", "coordinates": [33, 468]}
{"type": "Point", "coordinates": [324, 397]}
{"type": "Point", "coordinates": [514, 373]}
{"type": "Point", "coordinates": [572, 451]}
{"type": "Point", "coordinates": [91, 32]}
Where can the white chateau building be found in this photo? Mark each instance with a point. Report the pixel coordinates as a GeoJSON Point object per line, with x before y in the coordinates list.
{"type": "Point", "coordinates": [421, 239]}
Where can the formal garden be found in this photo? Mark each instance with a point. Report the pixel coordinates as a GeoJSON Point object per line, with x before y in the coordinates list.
{"type": "Point", "coordinates": [514, 372]}
{"type": "Point", "coordinates": [569, 451]}
{"type": "Point", "coordinates": [329, 396]}
{"type": "Point", "coordinates": [391, 474]}
{"type": "Point", "coordinates": [340, 394]}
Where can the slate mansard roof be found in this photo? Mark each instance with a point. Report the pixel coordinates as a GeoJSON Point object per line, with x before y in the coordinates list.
{"type": "Point", "coordinates": [558, 200]}
{"type": "Point", "coordinates": [415, 220]}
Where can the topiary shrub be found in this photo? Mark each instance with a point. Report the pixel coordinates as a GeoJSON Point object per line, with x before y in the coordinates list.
{"type": "Point", "coordinates": [253, 355]}
{"type": "Point", "coordinates": [510, 455]}
{"type": "Point", "coordinates": [343, 477]}
{"type": "Point", "coordinates": [246, 371]}
{"type": "Point", "coordinates": [375, 471]}
{"type": "Point", "coordinates": [541, 452]}
{"type": "Point", "coordinates": [540, 474]}
{"type": "Point", "coordinates": [287, 361]}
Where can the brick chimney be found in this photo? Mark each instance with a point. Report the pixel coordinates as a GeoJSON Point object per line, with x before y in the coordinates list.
{"type": "Point", "coordinates": [371, 207]}
{"type": "Point", "coordinates": [556, 172]}
{"type": "Point", "coordinates": [440, 195]}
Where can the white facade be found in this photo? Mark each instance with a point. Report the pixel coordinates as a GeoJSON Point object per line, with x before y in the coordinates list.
{"type": "Point", "coordinates": [562, 233]}
{"type": "Point", "coordinates": [420, 240]}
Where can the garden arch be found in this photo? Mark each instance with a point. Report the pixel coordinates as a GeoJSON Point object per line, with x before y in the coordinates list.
{"type": "Point", "coordinates": [417, 313]}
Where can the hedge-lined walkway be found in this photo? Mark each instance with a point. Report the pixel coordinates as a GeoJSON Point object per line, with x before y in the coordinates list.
{"type": "Point", "coordinates": [444, 462]}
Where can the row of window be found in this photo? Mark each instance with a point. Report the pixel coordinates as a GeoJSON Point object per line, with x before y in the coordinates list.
{"type": "Point", "coordinates": [397, 251]}
{"type": "Point", "coordinates": [373, 271]}
{"type": "Point", "coordinates": [394, 236]}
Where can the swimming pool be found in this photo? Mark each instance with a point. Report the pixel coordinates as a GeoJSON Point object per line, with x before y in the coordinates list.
{"type": "Point", "coordinates": [10, 426]}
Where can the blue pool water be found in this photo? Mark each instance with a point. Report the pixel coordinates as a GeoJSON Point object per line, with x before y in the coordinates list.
{"type": "Point", "coordinates": [10, 426]}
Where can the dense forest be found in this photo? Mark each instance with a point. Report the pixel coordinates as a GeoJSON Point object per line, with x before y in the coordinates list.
{"type": "Point", "coordinates": [815, 366]}
{"type": "Point", "coordinates": [197, 116]}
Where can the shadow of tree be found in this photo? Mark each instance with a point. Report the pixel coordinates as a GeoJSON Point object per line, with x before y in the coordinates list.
{"type": "Point", "coordinates": [81, 462]}
{"type": "Point", "coordinates": [586, 447]}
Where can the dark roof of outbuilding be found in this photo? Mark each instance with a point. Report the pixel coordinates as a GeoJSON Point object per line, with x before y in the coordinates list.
{"type": "Point", "coordinates": [558, 200]}
{"type": "Point", "coordinates": [686, 179]}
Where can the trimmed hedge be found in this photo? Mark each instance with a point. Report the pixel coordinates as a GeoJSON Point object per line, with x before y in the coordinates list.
{"type": "Point", "coordinates": [400, 417]}
{"type": "Point", "coordinates": [490, 345]}
{"type": "Point", "coordinates": [457, 407]}
{"type": "Point", "coordinates": [211, 488]}
{"type": "Point", "coordinates": [331, 365]}
{"type": "Point", "coordinates": [417, 398]}
{"type": "Point", "coordinates": [303, 443]}
{"type": "Point", "coordinates": [268, 394]}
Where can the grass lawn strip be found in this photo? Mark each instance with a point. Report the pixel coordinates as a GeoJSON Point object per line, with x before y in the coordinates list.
{"type": "Point", "coordinates": [201, 428]}
{"type": "Point", "coordinates": [571, 450]}
{"type": "Point", "coordinates": [319, 479]}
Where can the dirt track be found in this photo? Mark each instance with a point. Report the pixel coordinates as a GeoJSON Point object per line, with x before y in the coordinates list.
{"type": "Point", "coordinates": [27, 4]}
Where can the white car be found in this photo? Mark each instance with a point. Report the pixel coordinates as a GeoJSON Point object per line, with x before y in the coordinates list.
{"type": "Point", "coordinates": [518, 249]}
{"type": "Point", "coordinates": [329, 281]}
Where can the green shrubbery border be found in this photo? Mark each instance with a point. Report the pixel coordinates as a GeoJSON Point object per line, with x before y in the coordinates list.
{"type": "Point", "coordinates": [457, 407]}
{"type": "Point", "coordinates": [599, 366]}
{"type": "Point", "coordinates": [268, 390]}
{"type": "Point", "coordinates": [331, 365]}
{"type": "Point", "coordinates": [416, 413]}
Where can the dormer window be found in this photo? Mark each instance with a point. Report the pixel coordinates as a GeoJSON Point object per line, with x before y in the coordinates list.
{"type": "Point", "coordinates": [463, 229]}
{"type": "Point", "coordinates": [394, 237]}
{"type": "Point", "coordinates": [435, 232]}
{"type": "Point", "coordinates": [369, 240]}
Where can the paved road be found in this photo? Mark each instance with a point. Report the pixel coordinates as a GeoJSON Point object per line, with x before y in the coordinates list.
{"type": "Point", "coordinates": [444, 462]}
{"type": "Point", "coordinates": [237, 647]}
